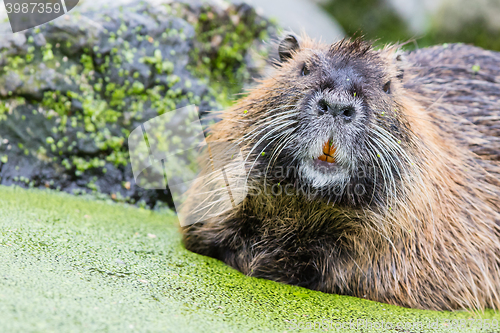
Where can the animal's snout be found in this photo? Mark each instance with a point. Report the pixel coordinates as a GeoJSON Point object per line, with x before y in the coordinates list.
{"type": "Point", "coordinates": [345, 111]}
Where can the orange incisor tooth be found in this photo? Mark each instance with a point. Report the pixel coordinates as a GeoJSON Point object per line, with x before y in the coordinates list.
{"type": "Point", "coordinates": [329, 152]}
{"type": "Point", "coordinates": [326, 148]}
{"type": "Point", "coordinates": [332, 150]}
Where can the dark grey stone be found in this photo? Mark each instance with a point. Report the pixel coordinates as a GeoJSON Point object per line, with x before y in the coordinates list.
{"type": "Point", "coordinates": [40, 137]}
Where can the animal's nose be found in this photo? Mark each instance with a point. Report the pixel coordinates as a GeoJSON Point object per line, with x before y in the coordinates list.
{"type": "Point", "coordinates": [346, 111]}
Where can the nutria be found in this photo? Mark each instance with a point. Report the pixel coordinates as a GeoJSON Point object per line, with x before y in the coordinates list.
{"type": "Point", "coordinates": [371, 173]}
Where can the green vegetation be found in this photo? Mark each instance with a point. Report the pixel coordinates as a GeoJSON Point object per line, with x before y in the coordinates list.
{"type": "Point", "coordinates": [223, 42]}
{"type": "Point", "coordinates": [376, 20]}
{"type": "Point", "coordinates": [475, 32]}
{"type": "Point", "coordinates": [74, 264]}
{"type": "Point", "coordinates": [77, 264]}
{"type": "Point", "coordinates": [80, 95]}
{"type": "Point", "coordinates": [373, 19]}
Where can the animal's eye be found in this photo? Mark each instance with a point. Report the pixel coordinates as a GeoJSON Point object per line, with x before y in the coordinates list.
{"type": "Point", "coordinates": [387, 87]}
{"type": "Point", "coordinates": [305, 71]}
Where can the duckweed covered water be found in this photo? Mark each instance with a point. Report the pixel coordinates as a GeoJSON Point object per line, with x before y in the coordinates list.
{"type": "Point", "coordinates": [74, 264]}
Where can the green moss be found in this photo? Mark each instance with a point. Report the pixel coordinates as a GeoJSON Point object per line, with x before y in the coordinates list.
{"type": "Point", "coordinates": [223, 41]}
{"type": "Point", "coordinates": [87, 62]}
{"type": "Point", "coordinates": [47, 52]}
{"type": "Point", "coordinates": [72, 264]}
{"type": "Point", "coordinates": [3, 110]}
{"type": "Point", "coordinates": [137, 88]}
{"type": "Point", "coordinates": [161, 65]}
{"type": "Point", "coordinates": [107, 94]}
{"type": "Point", "coordinates": [83, 164]}
{"type": "Point", "coordinates": [16, 62]}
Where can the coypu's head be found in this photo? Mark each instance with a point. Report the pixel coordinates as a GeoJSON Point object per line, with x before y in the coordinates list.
{"type": "Point", "coordinates": [330, 121]}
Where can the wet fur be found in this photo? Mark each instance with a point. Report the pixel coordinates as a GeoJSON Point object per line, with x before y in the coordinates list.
{"type": "Point", "coordinates": [425, 235]}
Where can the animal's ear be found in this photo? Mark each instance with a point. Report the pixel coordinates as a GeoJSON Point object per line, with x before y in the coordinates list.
{"type": "Point", "coordinates": [288, 45]}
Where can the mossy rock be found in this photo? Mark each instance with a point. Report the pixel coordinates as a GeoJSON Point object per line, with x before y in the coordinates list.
{"type": "Point", "coordinates": [76, 264]}
{"type": "Point", "coordinates": [72, 90]}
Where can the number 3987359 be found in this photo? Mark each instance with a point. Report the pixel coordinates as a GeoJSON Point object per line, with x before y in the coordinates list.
{"type": "Point", "coordinates": [32, 7]}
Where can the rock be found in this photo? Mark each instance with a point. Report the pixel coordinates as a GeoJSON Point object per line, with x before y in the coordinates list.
{"type": "Point", "coordinates": [72, 90]}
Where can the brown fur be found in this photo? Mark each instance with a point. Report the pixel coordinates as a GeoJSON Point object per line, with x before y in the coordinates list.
{"type": "Point", "coordinates": [435, 244]}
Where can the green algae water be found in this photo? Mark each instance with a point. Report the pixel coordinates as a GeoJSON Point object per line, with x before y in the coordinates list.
{"type": "Point", "coordinates": [71, 264]}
